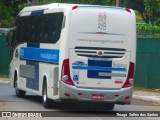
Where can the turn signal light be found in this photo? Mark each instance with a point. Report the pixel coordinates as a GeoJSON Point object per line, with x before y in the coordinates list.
{"type": "Point", "coordinates": [129, 82]}
{"type": "Point", "coordinates": [65, 74]}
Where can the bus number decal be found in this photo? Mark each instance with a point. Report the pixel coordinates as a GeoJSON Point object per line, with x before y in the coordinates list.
{"type": "Point", "coordinates": [102, 16]}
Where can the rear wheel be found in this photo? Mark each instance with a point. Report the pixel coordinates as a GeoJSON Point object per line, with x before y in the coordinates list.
{"type": "Point", "coordinates": [47, 103]}
{"type": "Point", "coordinates": [19, 93]}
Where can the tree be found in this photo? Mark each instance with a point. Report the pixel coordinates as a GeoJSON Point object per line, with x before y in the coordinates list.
{"type": "Point", "coordinates": [14, 5]}
{"type": "Point", "coordinates": [152, 8]}
{"type": "Point", "coordinates": [8, 11]}
{"type": "Point", "coordinates": [72, 1]}
{"type": "Point", "coordinates": [6, 18]}
{"type": "Point", "coordinates": [149, 9]}
{"type": "Point", "coordinates": [5, 12]}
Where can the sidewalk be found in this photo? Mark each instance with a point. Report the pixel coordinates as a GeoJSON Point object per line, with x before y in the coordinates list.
{"type": "Point", "coordinates": [146, 95]}
{"type": "Point", "coordinates": [4, 80]}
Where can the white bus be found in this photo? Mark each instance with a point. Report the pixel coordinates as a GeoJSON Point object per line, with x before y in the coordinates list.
{"type": "Point", "coordinates": [75, 52]}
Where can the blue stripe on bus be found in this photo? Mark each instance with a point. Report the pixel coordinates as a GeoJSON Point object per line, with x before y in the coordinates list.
{"type": "Point", "coordinates": [38, 54]}
{"type": "Point", "coordinates": [33, 83]}
{"type": "Point", "coordinates": [37, 12]}
{"type": "Point", "coordinates": [98, 68]}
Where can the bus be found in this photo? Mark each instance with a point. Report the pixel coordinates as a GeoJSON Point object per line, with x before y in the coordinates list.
{"type": "Point", "coordinates": [75, 52]}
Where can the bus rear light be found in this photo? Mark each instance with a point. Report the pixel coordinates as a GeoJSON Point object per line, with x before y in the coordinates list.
{"type": "Point", "coordinates": [64, 77]}
{"type": "Point", "coordinates": [65, 74]}
{"type": "Point", "coordinates": [74, 7]}
{"type": "Point", "coordinates": [127, 97]}
{"type": "Point", "coordinates": [128, 10]}
{"type": "Point", "coordinates": [101, 33]}
{"type": "Point", "coordinates": [67, 94]}
{"type": "Point", "coordinates": [129, 82]}
{"type": "Point", "coordinates": [116, 95]}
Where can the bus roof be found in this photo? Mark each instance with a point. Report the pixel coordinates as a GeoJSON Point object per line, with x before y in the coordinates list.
{"type": "Point", "coordinates": [63, 5]}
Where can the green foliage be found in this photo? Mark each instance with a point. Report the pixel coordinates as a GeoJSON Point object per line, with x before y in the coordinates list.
{"type": "Point", "coordinates": [95, 2]}
{"type": "Point", "coordinates": [149, 9]}
{"type": "Point", "coordinates": [5, 12]}
{"type": "Point", "coordinates": [6, 19]}
{"type": "Point", "coordinates": [8, 11]}
{"type": "Point", "coordinates": [139, 19]}
{"type": "Point", "coordinates": [5, 23]}
{"type": "Point", "coordinates": [148, 31]}
{"type": "Point", "coordinates": [152, 8]}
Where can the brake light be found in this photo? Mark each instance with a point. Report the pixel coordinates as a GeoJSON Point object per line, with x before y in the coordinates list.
{"type": "Point", "coordinates": [127, 97]}
{"type": "Point", "coordinates": [74, 7]}
{"type": "Point", "coordinates": [128, 10]}
{"type": "Point", "coordinates": [67, 94]}
{"type": "Point", "coordinates": [65, 76]}
{"type": "Point", "coordinates": [129, 82]}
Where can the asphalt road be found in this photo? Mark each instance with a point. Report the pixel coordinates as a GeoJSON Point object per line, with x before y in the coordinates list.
{"type": "Point", "coordinates": [68, 110]}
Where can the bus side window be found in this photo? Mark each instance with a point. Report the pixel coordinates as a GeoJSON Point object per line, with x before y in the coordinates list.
{"type": "Point", "coordinates": [44, 28]}
{"type": "Point", "coordinates": [40, 28]}
{"type": "Point", "coordinates": [56, 26]}
{"type": "Point", "coordinates": [51, 29]}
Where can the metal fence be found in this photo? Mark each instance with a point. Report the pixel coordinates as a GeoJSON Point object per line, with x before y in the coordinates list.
{"type": "Point", "coordinates": [4, 57]}
{"type": "Point", "coordinates": [147, 72]}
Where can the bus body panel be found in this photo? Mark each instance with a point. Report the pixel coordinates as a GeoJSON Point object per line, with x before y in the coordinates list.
{"type": "Point", "coordinates": [99, 45]}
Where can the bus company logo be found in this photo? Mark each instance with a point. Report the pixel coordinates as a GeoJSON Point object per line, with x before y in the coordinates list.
{"type": "Point", "coordinates": [79, 63]}
{"type": "Point", "coordinates": [102, 17]}
{"type": "Point", "coordinates": [119, 65]}
{"type": "Point", "coordinates": [100, 53]}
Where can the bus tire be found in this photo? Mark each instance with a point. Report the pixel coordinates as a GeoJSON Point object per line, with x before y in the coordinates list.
{"type": "Point", "coordinates": [47, 103]}
{"type": "Point", "coordinates": [19, 93]}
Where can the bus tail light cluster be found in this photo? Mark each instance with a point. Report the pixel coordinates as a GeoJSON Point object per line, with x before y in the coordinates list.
{"type": "Point", "coordinates": [74, 7]}
{"type": "Point", "coordinates": [65, 74]}
{"type": "Point", "coordinates": [128, 10]}
{"type": "Point", "coordinates": [129, 82]}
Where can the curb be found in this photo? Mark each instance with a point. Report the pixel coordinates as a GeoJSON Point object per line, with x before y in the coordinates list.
{"type": "Point", "coordinates": [154, 99]}
{"type": "Point", "coordinates": [6, 82]}
{"type": "Point", "coordinates": [148, 98]}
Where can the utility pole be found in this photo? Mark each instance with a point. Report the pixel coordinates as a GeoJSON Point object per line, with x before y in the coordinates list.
{"type": "Point", "coordinates": [117, 3]}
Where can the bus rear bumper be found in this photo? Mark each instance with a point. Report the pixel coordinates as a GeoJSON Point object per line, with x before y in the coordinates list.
{"type": "Point", "coordinates": [120, 96]}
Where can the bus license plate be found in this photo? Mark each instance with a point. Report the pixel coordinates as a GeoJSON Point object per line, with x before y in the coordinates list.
{"type": "Point", "coordinates": [97, 97]}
